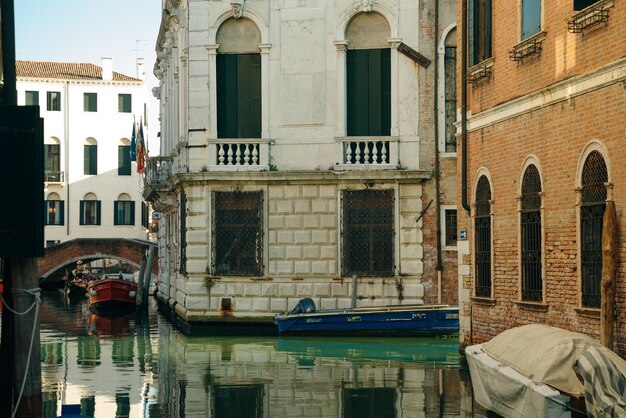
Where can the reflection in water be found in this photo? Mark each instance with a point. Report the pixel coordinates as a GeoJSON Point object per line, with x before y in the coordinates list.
{"type": "Point", "coordinates": [140, 366]}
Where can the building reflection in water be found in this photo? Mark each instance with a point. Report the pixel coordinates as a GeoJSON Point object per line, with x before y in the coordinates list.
{"type": "Point", "coordinates": [140, 366]}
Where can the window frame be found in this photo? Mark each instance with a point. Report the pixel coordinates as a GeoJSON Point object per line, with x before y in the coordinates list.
{"type": "Point", "coordinates": [58, 210]}
{"type": "Point", "coordinates": [29, 95]}
{"type": "Point", "coordinates": [52, 104]}
{"type": "Point", "coordinates": [86, 217]}
{"type": "Point", "coordinates": [480, 31]}
{"type": "Point", "coordinates": [446, 244]}
{"type": "Point", "coordinates": [124, 103]}
{"type": "Point", "coordinates": [530, 25]}
{"type": "Point", "coordinates": [90, 159]}
{"type": "Point", "coordinates": [124, 166]}
{"type": "Point", "coordinates": [578, 5]}
{"type": "Point", "coordinates": [90, 102]}
{"type": "Point", "coordinates": [124, 212]}
{"type": "Point", "coordinates": [483, 234]}
{"type": "Point", "coordinates": [531, 242]}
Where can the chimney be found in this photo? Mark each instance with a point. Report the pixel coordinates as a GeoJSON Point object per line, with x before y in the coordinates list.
{"type": "Point", "coordinates": [141, 74]}
{"type": "Point", "coordinates": [107, 68]}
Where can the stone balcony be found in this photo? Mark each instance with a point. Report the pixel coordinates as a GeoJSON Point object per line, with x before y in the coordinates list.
{"type": "Point", "coordinates": [367, 152]}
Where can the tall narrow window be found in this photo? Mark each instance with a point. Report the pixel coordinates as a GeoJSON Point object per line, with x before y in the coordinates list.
{"type": "Point", "coordinates": [123, 210]}
{"type": "Point", "coordinates": [531, 18]}
{"type": "Point", "coordinates": [31, 98]}
{"type": "Point", "coordinates": [594, 177]}
{"type": "Point", "coordinates": [182, 214]}
{"type": "Point", "coordinates": [238, 80]}
{"type": "Point", "coordinates": [450, 227]}
{"type": "Point", "coordinates": [123, 160]}
{"type": "Point", "coordinates": [479, 31]}
{"type": "Point", "coordinates": [90, 165]}
{"type": "Point", "coordinates": [482, 238]}
{"type": "Point", "coordinates": [90, 210]}
{"type": "Point", "coordinates": [54, 210]}
{"type": "Point", "coordinates": [238, 233]}
{"type": "Point", "coordinates": [368, 232]}
{"type": "Point", "coordinates": [450, 96]}
{"type": "Point", "coordinates": [53, 100]}
{"type": "Point", "coordinates": [90, 102]}
{"type": "Point", "coordinates": [532, 282]}
{"type": "Point", "coordinates": [124, 103]}
{"type": "Point", "coordinates": [52, 161]}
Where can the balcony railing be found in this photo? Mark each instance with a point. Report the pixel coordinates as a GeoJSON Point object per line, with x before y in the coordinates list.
{"type": "Point", "coordinates": [53, 176]}
{"type": "Point", "coordinates": [239, 154]}
{"type": "Point", "coordinates": [380, 151]}
{"type": "Point", "coordinates": [158, 170]}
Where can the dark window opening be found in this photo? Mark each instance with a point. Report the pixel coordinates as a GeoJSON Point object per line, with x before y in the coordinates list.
{"type": "Point", "coordinates": [582, 4]}
{"type": "Point", "coordinates": [182, 214]}
{"type": "Point", "coordinates": [91, 159]}
{"type": "Point", "coordinates": [90, 212]}
{"type": "Point", "coordinates": [53, 100]}
{"type": "Point", "coordinates": [532, 282]}
{"type": "Point", "coordinates": [123, 212]}
{"type": "Point", "coordinates": [54, 212]}
{"type": "Point", "coordinates": [594, 177]}
{"type": "Point", "coordinates": [368, 232]}
{"type": "Point", "coordinates": [450, 97]}
{"type": "Point", "coordinates": [482, 243]}
{"type": "Point", "coordinates": [450, 227]}
{"type": "Point", "coordinates": [237, 223]}
{"type": "Point", "coordinates": [52, 162]}
{"type": "Point", "coordinates": [479, 31]}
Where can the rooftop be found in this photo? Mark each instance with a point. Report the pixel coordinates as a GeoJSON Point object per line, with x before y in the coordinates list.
{"type": "Point", "coordinates": [65, 71]}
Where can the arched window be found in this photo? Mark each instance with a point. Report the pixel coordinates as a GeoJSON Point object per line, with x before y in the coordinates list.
{"type": "Point", "coordinates": [530, 220]}
{"type": "Point", "coordinates": [594, 177]}
{"type": "Point", "coordinates": [90, 210]}
{"type": "Point", "coordinates": [91, 156]}
{"type": "Point", "coordinates": [54, 209]}
{"type": "Point", "coordinates": [449, 63]}
{"type": "Point", "coordinates": [368, 67]}
{"type": "Point", "coordinates": [123, 210]}
{"type": "Point", "coordinates": [482, 238]}
{"type": "Point", "coordinates": [238, 76]}
{"type": "Point", "coordinates": [52, 160]}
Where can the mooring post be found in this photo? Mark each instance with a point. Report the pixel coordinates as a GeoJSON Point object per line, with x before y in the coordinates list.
{"type": "Point", "coordinates": [354, 286]}
{"type": "Point", "coordinates": [609, 275]}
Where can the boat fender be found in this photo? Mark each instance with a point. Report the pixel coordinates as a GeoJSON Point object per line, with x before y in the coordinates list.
{"type": "Point", "coordinates": [93, 292]}
{"type": "Point", "coordinates": [305, 305]}
{"type": "Point", "coordinates": [131, 294]}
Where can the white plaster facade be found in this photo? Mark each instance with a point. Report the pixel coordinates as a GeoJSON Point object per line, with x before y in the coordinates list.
{"type": "Point", "coordinates": [300, 163]}
{"type": "Point", "coordinates": [71, 127]}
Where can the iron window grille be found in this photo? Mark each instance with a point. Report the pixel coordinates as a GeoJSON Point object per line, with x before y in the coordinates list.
{"type": "Point", "coordinates": [450, 97]}
{"type": "Point", "coordinates": [237, 233]}
{"type": "Point", "coordinates": [532, 280]}
{"type": "Point", "coordinates": [368, 232]}
{"type": "Point", "coordinates": [594, 177]}
{"type": "Point", "coordinates": [482, 243]}
{"type": "Point", "coordinates": [590, 14]}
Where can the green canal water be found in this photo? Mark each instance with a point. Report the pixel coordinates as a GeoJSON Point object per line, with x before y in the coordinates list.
{"type": "Point", "coordinates": [142, 366]}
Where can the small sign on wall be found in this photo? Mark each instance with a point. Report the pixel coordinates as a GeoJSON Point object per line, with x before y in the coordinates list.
{"type": "Point", "coordinates": [463, 234]}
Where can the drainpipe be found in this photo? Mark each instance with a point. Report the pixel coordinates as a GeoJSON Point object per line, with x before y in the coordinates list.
{"type": "Point", "coordinates": [66, 133]}
{"type": "Point", "coordinates": [439, 266]}
{"type": "Point", "coordinates": [464, 36]}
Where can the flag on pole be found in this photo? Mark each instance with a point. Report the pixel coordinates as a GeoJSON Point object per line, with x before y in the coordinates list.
{"type": "Point", "coordinates": [133, 144]}
{"type": "Point", "coordinates": [141, 149]}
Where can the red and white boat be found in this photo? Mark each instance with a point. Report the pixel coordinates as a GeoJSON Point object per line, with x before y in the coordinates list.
{"type": "Point", "coordinates": [112, 291]}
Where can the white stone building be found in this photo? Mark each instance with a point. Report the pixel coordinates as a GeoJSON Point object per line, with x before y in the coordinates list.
{"type": "Point", "coordinates": [92, 190]}
{"type": "Point", "coordinates": [298, 145]}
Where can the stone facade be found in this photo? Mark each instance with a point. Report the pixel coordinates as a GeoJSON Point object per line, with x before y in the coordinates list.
{"type": "Point", "coordinates": [554, 108]}
{"type": "Point", "coordinates": [303, 161]}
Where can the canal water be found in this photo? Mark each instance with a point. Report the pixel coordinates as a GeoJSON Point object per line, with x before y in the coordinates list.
{"type": "Point", "coordinates": [142, 366]}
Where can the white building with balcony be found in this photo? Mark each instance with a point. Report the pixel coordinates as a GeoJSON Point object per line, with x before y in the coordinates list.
{"type": "Point", "coordinates": [298, 150]}
{"type": "Point", "coordinates": [92, 190]}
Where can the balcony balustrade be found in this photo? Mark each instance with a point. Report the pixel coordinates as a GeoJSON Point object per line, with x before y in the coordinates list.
{"type": "Point", "coordinates": [380, 152]}
{"type": "Point", "coordinates": [158, 171]}
{"type": "Point", "coordinates": [51, 176]}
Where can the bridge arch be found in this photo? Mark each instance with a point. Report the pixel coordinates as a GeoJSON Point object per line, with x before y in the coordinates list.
{"type": "Point", "coordinates": [63, 256]}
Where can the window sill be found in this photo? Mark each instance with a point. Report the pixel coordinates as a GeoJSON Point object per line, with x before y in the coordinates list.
{"type": "Point", "coordinates": [537, 306]}
{"type": "Point", "coordinates": [483, 301]}
{"type": "Point", "coordinates": [480, 72]}
{"type": "Point", "coordinates": [588, 312]}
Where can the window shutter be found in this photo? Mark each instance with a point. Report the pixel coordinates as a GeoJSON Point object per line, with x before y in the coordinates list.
{"type": "Point", "coordinates": [226, 96]}
{"type": "Point", "coordinates": [86, 164]}
{"type": "Point", "coordinates": [115, 214]}
{"type": "Point", "coordinates": [98, 212]}
{"type": "Point", "coordinates": [471, 25]}
{"type": "Point", "coordinates": [62, 214]}
{"type": "Point", "coordinates": [82, 212]}
{"type": "Point", "coordinates": [93, 159]}
{"type": "Point", "coordinates": [255, 96]}
{"type": "Point", "coordinates": [351, 92]}
{"type": "Point", "coordinates": [385, 86]}
{"type": "Point", "coordinates": [46, 216]}
{"type": "Point", "coordinates": [487, 39]}
{"type": "Point", "coordinates": [132, 213]}
{"type": "Point", "coordinates": [123, 158]}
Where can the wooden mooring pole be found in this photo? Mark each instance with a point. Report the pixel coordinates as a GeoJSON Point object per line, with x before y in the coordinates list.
{"type": "Point", "coordinates": [609, 275]}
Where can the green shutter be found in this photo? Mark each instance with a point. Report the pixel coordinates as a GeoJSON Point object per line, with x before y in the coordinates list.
{"type": "Point", "coordinates": [132, 213]}
{"type": "Point", "coordinates": [385, 86]}
{"type": "Point", "coordinates": [471, 32]}
{"type": "Point", "coordinates": [255, 96]}
{"type": "Point", "coordinates": [115, 214]}
{"type": "Point", "coordinates": [123, 158]}
{"type": "Point", "coordinates": [351, 92]}
{"type": "Point", "coordinates": [227, 96]}
{"type": "Point", "coordinates": [98, 212]}
{"type": "Point", "coordinates": [82, 212]}
{"type": "Point", "coordinates": [86, 165]}
{"type": "Point", "coordinates": [93, 159]}
{"type": "Point", "coordinates": [487, 39]}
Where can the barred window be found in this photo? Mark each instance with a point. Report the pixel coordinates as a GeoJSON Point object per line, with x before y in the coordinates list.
{"type": "Point", "coordinates": [482, 238]}
{"type": "Point", "coordinates": [237, 235]}
{"type": "Point", "coordinates": [594, 177]}
{"type": "Point", "coordinates": [450, 96]}
{"type": "Point", "coordinates": [450, 227]}
{"type": "Point", "coordinates": [532, 281]}
{"type": "Point", "coordinates": [368, 231]}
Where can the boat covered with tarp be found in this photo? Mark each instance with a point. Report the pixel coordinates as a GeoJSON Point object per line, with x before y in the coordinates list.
{"type": "Point", "coordinates": [542, 371]}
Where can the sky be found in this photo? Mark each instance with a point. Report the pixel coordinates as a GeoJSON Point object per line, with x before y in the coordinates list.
{"type": "Point", "coordinates": [86, 31]}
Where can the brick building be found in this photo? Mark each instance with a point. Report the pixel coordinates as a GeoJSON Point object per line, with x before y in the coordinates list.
{"type": "Point", "coordinates": [544, 138]}
{"type": "Point", "coordinates": [298, 149]}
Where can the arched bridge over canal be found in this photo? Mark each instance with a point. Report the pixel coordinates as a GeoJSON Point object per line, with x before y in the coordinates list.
{"type": "Point", "coordinates": [61, 257]}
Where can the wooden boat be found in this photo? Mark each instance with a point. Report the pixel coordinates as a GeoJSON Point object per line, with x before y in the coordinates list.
{"type": "Point", "coordinates": [542, 371]}
{"type": "Point", "coordinates": [410, 320]}
{"type": "Point", "coordinates": [112, 291]}
{"type": "Point", "coordinates": [75, 287]}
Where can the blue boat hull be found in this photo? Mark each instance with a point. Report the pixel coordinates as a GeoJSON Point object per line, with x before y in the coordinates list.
{"type": "Point", "coordinates": [401, 320]}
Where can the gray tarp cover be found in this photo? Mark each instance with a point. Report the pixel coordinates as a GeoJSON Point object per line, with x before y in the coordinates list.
{"type": "Point", "coordinates": [546, 354]}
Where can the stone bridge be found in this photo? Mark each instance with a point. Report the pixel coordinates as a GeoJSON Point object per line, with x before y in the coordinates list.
{"type": "Point", "coordinates": [61, 257]}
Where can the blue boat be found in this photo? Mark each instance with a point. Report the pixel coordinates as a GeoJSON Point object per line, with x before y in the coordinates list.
{"type": "Point", "coordinates": [409, 320]}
